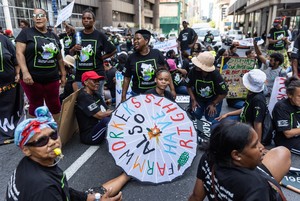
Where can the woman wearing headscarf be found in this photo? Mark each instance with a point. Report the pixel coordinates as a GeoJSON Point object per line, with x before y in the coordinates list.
{"type": "Point", "coordinates": [37, 176]}
{"type": "Point", "coordinates": [41, 63]}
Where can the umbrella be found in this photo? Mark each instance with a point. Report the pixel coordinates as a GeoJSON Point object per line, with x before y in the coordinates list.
{"type": "Point", "coordinates": [151, 138]}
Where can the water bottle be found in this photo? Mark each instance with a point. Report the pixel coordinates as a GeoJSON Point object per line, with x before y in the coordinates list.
{"type": "Point", "coordinates": [97, 196]}
{"type": "Point", "coordinates": [78, 38]}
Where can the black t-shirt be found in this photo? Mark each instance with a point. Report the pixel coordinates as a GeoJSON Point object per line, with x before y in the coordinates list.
{"type": "Point", "coordinates": [286, 117]}
{"type": "Point", "coordinates": [34, 182]}
{"type": "Point", "coordinates": [296, 53]}
{"type": "Point", "coordinates": [41, 54]}
{"type": "Point", "coordinates": [8, 61]}
{"type": "Point", "coordinates": [186, 37]}
{"type": "Point", "coordinates": [68, 89]}
{"type": "Point", "coordinates": [110, 83]}
{"type": "Point", "coordinates": [167, 94]}
{"type": "Point", "coordinates": [254, 109]}
{"type": "Point", "coordinates": [236, 183]}
{"type": "Point", "coordinates": [94, 45]}
{"type": "Point", "coordinates": [208, 39]}
{"type": "Point", "coordinates": [67, 41]}
{"type": "Point", "coordinates": [86, 106]}
{"type": "Point", "coordinates": [178, 78]}
{"type": "Point", "coordinates": [206, 88]}
{"type": "Point", "coordinates": [277, 34]}
{"type": "Point", "coordinates": [142, 69]}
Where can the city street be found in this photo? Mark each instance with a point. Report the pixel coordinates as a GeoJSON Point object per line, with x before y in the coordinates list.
{"type": "Point", "coordinates": [89, 166]}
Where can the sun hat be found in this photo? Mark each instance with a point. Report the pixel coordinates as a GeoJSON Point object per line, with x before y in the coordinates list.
{"type": "Point", "coordinates": [254, 80]}
{"type": "Point", "coordinates": [70, 60]}
{"type": "Point", "coordinates": [172, 64]}
{"type": "Point", "coordinates": [90, 75]}
{"type": "Point", "coordinates": [204, 61]}
{"type": "Point", "coordinates": [29, 127]}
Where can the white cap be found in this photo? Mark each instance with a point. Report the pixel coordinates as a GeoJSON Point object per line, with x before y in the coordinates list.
{"type": "Point", "coordinates": [254, 80]}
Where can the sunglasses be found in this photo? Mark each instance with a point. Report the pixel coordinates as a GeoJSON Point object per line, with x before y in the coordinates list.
{"type": "Point", "coordinates": [42, 141]}
{"type": "Point", "coordinates": [39, 15]}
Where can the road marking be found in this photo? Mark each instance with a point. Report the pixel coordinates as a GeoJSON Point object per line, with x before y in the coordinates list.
{"type": "Point", "coordinates": [80, 161]}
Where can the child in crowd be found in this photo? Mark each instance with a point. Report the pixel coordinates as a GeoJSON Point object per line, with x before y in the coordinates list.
{"type": "Point", "coordinates": [162, 79]}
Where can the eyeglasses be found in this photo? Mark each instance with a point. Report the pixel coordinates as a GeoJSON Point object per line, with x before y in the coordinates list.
{"type": "Point", "coordinates": [42, 141]}
{"type": "Point", "coordinates": [39, 15]}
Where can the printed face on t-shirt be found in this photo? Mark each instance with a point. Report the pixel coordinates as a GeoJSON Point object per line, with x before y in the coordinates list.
{"type": "Point", "coordinates": [46, 50]}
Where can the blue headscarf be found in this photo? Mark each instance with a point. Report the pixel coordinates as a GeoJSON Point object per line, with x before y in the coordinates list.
{"type": "Point", "coordinates": [27, 128]}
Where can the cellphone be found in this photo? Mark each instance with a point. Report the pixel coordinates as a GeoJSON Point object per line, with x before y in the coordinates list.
{"type": "Point", "coordinates": [257, 39]}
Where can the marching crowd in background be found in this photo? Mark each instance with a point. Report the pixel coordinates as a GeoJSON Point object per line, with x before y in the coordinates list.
{"type": "Point", "coordinates": [89, 64]}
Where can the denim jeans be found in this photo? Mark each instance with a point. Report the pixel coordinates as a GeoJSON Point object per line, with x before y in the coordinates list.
{"type": "Point", "coordinates": [181, 90]}
{"type": "Point", "coordinates": [203, 110]}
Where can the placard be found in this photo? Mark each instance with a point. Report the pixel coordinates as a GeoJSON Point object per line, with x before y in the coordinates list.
{"type": "Point", "coordinates": [119, 83]}
{"type": "Point", "coordinates": [64, 14]}
{"type": "Point", "coordinates": [166, 46]}
{"type": "Point", "coordinates": [233, 72]}
{"type": "Point", "coordinates": [278, 92]}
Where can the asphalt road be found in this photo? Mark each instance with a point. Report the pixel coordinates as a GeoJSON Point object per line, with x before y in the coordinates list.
{"type": "Point", "coordinates": [95, 165]}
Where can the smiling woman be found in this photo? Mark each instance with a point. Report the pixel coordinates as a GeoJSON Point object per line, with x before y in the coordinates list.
{"type": "Point", "coordinates": [42, 69]}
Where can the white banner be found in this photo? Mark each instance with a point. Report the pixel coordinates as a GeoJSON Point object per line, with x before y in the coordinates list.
{"type": "Point", "coordinates": [278, 92]}
{"type": "Point", "coordinates": [166, 45]}
{"type": "Point", "coordinates": [65, 13]}
{"type": "Point", "coordinates": [119, 83]}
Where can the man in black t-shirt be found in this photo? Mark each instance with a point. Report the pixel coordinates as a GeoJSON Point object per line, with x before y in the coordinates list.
{"type": "Point", "coordinates": [296, 57]}
{"type": "Point", "coordinates": [187, 38]}
{"type": "Point", "coordinates": [209, 37]}
{"type": "Point", "coordinates": [278, 39]}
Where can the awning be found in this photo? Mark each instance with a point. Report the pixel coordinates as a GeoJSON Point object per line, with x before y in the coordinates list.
{"type": "Point", "coordinates": [237, 6]}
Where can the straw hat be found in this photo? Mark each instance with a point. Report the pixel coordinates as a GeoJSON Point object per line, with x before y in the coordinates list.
{"type": "Point", "coordinates": [204, 61]}
{"type": "Point", "coordinates": [254, 80]}
{"type": "Point", "coordinates": [69, 60]}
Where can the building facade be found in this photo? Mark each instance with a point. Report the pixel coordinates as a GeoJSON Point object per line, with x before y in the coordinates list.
{"type": "Point", "coordinates": [171, 14]}
{"type": "Point", "coordinates": [257, 16]}
{"type": "Point", "coordinates": [116, 13]}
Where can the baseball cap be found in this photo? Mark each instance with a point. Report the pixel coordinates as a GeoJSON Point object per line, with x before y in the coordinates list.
{"type": "Point", "coordinates": [90, 75]}
{"type": "Point", "coordinates": [277, 21]}
{"type": "Point", "coordinates": [186, 21]}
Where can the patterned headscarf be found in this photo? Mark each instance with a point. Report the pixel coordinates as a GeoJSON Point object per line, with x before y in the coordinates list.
{"type": "Point", "coordinates": [27, 128]}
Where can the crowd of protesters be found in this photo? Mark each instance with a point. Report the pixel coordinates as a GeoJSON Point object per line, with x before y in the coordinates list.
{"type": "Point", "coordinates": [88, 64]}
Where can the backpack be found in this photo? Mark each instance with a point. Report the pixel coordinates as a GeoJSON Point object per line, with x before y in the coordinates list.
{"type": "Point", "coordinates": [267, 130]}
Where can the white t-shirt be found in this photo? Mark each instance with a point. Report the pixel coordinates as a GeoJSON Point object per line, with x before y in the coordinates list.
{"type": "Point", "coordinates": [272, 74]}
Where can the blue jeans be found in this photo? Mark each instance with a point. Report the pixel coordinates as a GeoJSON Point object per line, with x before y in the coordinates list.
{"type": "Point", "coordinates": [181, 90]}
{"type": "Point", "coordinates": [214, 123]}
{"type": "Point", "coordinates": [203, 110]}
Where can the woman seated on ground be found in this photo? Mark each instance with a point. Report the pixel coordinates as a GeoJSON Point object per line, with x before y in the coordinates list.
{"type": "Point", "coordinates": [237, 167]}
{"type": "Point", "coordinates": [38, 176]}
{"type": "Point", "coordinates": [162, 80]}
{"type": "Point", "coordinates": [286, 115]}
{"type": "Point", "coordinates": [92, 113]}
{"type": "Point", "coordinates": [255, 107]}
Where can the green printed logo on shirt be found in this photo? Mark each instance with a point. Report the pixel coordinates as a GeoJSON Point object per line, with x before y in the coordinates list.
{"type": "Point", "coordinates": [46, 50]}
{"type": "Point", "coordinates": [87, 55]}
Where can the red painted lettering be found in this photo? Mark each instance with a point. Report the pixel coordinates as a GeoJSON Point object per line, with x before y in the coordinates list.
{"type": "Point", "coordinates": [118, 145]}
